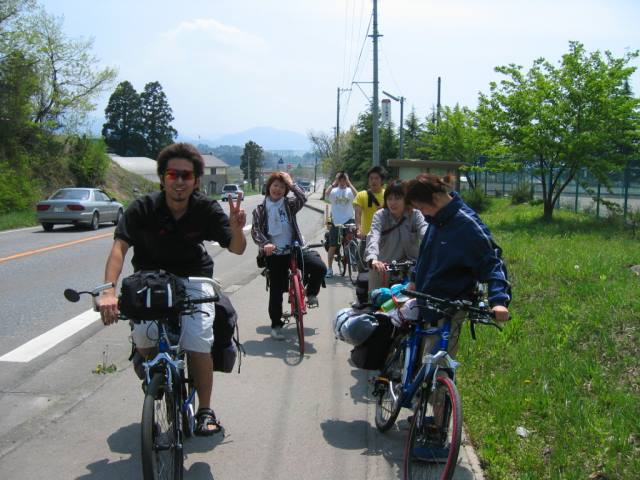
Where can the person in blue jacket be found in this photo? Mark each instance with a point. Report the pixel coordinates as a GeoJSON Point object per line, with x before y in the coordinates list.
{"type": "Point", "coordinates": [456, 252]}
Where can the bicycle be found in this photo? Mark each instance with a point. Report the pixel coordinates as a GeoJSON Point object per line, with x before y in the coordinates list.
{"type": "Point", "coordinates": [433, 444]}
{"type": "Point", "coordinates": [168, 413]}
{"type": "Point", "coordinates": [297, 292]}
{"type": "Point", "coordinates": [347, 253]}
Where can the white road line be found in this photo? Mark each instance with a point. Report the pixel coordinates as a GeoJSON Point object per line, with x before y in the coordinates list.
{"type": "Point", "coordinates": [50, 339]}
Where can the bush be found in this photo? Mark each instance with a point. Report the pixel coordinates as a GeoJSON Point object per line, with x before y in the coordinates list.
{"type": "Point", "coordinates": [476, 199]}
{"type": "Point", "coordinates": [523, 193]}
{"type": "Point", "coordinates": [89, 161]}
{"type": "Point", "coordinates": [17, 190]}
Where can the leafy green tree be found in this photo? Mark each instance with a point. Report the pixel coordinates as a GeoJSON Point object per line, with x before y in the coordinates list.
{"type": "Point", "coordinates": [69, 79]}
{"type": "Point", "coordinates": [156, 119]}
{"type": "Point", "coordinates": [251, 162]}
{"type": "Point", "coordinates": [123, 130]}
{"type": "Point", "coordinates": [89, 161]}
{"type": "Point", "coordinates": [559, 119]}
{"type": "Point", "coordinates": [18, 83]}
{"type": "Point", "coordinates": [411, 135]}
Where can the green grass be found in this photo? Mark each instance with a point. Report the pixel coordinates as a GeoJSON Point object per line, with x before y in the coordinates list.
{"type": "Point", "coordinates": [12, 220]}
{"type": "Point", "coordinates": [567, 366]}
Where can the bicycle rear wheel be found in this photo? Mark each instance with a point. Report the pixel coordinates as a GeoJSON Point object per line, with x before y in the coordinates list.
{"type": "Point", "coordinates": [161, 435]}
{"type": "Point", "coordinates": [297, 305]}
{"type": "Point", "coordinates": [340, 259]}
{"type": "Point", "coordinates": [352, 254]}
{"type": "Point", "coordinates": [432, 448]}
{"type": "Point", "coordinates": [388, 388]}
{"type": "Point", "coordinates": [187, 409]}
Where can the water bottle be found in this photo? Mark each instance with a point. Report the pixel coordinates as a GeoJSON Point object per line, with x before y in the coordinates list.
{"type": "Point", "coordinates": [388, 305]}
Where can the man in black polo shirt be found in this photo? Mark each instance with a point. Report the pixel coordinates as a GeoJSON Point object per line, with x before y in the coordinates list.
{"type": "Point", "coordinates": [166, 230]}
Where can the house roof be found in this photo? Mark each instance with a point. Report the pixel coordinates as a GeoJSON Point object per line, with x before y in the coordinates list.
{"type": "Point", "coordinates": [213, 161]}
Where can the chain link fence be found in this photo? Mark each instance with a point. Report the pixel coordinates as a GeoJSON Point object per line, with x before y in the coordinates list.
{"type": "Point", "coordinates": [584, 193]}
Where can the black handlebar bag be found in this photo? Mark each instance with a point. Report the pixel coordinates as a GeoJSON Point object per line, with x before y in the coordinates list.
{"type": "Point", "coordinates": [151, 294]}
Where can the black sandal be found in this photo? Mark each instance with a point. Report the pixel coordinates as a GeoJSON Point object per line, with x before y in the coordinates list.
{"type": "Point", "coordinates": [205, 418]}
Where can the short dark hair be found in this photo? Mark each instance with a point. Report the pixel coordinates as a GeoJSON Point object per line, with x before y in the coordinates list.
{"type": "Point", "coordinates": [342, 175]}
{"type": "Point", "coordinates": [272, 178]}
{"type": "Point", "coordinates": [180, 150]}
{"type": "Point", "coordinates": [395, 188]}
{"type": "Point", "coordinates": [424, 186]}
{"type": "Point", "coordinates": [379, 170]}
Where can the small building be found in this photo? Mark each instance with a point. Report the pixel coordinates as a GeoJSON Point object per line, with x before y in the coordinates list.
{"type": "Point", "coordinates": [215, 174]}
{"type": "Point", "coordinates": [407, 169]}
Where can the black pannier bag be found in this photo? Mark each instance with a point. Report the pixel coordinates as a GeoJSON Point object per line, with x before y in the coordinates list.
{"type": "Point", "coordinates": [362, 287]}
{"type": "Point", "coordinates": [151, 294]}
{"type": "Point", "coordinates": [371, 354]}
{"type": "Point", "coordinates": [224, 350]}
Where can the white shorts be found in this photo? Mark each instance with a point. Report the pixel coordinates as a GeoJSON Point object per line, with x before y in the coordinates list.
{"type": "Point", "coordinates": [196, 334]}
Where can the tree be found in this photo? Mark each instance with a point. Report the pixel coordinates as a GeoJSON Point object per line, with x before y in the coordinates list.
{"type": "Point", "coordinates": [156, 119]}
{"type": "Point", "coordinates": [251, 162]}
{"type": "Point", "coordinates": [123, 130]}
{"type": "Point", "coordinates": [412, 130]}
{"type": "Point", "coordinates": [88, 161]}
{"type": "Point", "coordinates": [560, 119]}
{"type": "Point", "coordinates": [69, 80]}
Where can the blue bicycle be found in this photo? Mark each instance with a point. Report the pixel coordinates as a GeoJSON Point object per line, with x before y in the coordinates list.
{"type": "Point", "coordinates": [168, 409]}
{"type": "Point", "coordinates": [427, 385]}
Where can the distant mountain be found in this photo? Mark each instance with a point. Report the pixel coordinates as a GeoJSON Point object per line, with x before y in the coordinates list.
{"type": "Point", "coordinates": [268, 138]}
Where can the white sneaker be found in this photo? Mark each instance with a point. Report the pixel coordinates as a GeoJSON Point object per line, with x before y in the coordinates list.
{"type": "Point", "coordinates": [312, 300]}
{"type": "Point", "coordinates": [276, 333]}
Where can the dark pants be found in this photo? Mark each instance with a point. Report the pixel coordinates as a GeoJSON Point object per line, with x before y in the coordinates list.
{"type": "Point", "coordinates": [313, 271]}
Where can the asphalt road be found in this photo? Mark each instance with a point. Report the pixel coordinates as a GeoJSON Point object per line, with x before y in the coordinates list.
{"type": "Point", "coordinates": [285, 416]}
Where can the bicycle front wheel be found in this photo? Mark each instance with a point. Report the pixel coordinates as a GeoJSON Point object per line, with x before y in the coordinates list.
{"type": "Point", "coordinates": [297, 306]}
{"type": "Point", "coordinates": [352, 255]}
{"type": "Point", "coordinates": [161, 436]}
{"type": "Point", "coordinates": [388, 389]}
{"type": "Point", "coordinates": [432, 448]}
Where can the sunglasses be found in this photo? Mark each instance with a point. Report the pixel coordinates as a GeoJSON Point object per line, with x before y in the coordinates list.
{"type": "Point", "coordinates": [173, 174]}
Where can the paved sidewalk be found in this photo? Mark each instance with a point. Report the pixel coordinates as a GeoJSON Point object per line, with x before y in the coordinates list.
{"type": "Point", "coordinates": [342, 293]}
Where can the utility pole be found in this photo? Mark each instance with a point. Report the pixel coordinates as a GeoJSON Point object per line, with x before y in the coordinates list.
{"type": "Point", "coordinates": [401, 100]}
{"type": "Point", "coordinates": [438, 106]}
{"type": "Point", "coordinates": [340, 90]}
{"type": "Point", "coordinates": [374, 109]}
{"type": "Point", "coordinates": [315, 174]}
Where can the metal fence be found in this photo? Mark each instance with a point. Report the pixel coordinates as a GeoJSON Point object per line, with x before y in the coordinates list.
{"type": "Point", "coordinates": [584, 193]}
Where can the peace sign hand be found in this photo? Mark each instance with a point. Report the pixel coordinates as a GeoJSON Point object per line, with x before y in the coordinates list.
{"type": "Point", "coordinates": [237, 215]}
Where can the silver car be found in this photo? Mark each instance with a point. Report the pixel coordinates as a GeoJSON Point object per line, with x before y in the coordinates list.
{"type": "Point", "coordinates": [89, 206]}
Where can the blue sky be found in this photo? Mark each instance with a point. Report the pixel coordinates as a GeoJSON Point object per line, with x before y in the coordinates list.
{"type": "Point", "coordinates": [229, 65]}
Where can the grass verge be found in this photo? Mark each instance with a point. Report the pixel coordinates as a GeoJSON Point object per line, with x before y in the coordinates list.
{"type": "Point", "coordinates": [567, 366]}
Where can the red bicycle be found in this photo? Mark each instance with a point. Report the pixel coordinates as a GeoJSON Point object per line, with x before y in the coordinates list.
{"type": "Point", "coordinates": [297, 292]}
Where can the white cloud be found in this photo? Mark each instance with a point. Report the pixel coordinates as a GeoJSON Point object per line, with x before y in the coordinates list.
{"type": "Point", "coordinates": [209, 29]}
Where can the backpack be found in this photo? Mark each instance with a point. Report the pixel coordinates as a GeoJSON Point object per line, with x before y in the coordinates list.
{"type": "Point", "coordinates": [371, 354]}
{"type": "Point", "coordinates": [151, 294]}
{"type": "Point", "coordinates": [224, 350]}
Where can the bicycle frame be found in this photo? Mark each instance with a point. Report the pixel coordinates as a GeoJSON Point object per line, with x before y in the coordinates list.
{"type": "Point", "coordinates": [431, 361]}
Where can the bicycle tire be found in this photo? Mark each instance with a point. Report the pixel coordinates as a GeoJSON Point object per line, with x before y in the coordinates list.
{"type": "Point", "coordinates": [160, 432]}
{"type": "Point", "coordinates": [187, 409]}
{"type": "Point", "coordinates": [340, 259]}
{"type": "Point", "coordinates": [297, 302]}
{"type": "Point", "coordinates": [417, 460]}
{"type": "Point", "coordinates": [388, 407]}
{"type": "Point", "coordinates": [352, 256]}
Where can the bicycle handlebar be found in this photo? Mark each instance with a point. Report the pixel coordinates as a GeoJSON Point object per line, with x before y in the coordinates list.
{"type": "Point", "coordinates": [396, 266]}
{"type": "Point", "coordinates": [479, 314]}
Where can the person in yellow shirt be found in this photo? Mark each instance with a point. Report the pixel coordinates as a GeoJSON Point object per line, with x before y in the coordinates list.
{"type": "Point", "coordinates": [366, 204]}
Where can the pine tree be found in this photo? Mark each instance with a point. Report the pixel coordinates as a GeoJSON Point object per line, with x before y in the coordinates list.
{"type": "Point", "coordinates": [251, 162]}
{"type": "Point", "coordinates": [156, 119]}
{"type": "Point", "coordinates": [123, 130]}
